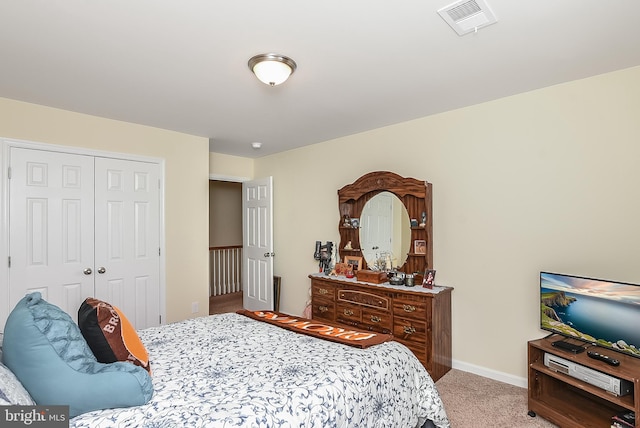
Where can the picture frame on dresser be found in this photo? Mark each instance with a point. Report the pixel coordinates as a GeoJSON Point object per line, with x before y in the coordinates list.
{"type": "Point", "coordinates": [341, 268]}
{"type": "Point", "coordinates": [354, 261]}
{"type": "Point", "coordinates": [429, 278]}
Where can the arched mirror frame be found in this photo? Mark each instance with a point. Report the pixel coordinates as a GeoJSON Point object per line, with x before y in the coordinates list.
{"type": "Point", "coordinates": [415, 196]}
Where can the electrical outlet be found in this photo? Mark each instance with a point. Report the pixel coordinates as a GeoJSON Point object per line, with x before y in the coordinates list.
{"type": "Point", "coordinates": [194, 307]}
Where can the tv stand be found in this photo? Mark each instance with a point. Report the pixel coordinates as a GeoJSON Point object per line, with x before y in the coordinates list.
{"type": "Point", "coordinates": [570, 402]}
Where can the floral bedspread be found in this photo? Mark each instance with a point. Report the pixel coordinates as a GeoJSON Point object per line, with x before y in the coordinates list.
{"type": "Point", "coordinates": [231, 371]}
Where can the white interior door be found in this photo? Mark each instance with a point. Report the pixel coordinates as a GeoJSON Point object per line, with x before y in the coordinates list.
{"type": "Point", "coordinates": [85, 226]}
{"type": "Point", "coordinates": [127, 238]}
{"type": "Point", "coordinates": [51, 213]}
{"type": "Point", "coordinates": [376, 226]}
{"type": "Point", "coordinates": [257, 243]}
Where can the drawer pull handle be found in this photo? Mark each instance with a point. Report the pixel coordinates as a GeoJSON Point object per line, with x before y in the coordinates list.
{"type": "Point", "coordinates": [409, 308]}
{"type": "Point", "coordinates": [323, 309]}
{"type": "Point", "coordinates": [323, 291]}
{"type": "Point", "coordinates": [348, 312]}
{"type": "Point", "coordinates": [375, 318]}
{"type": "Point", "coordinates": [409, 330]}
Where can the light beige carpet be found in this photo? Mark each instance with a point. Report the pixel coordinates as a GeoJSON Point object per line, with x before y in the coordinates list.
{"type": "Point", "coordinates": [226, 303]}
{"type": "Point", "coordinates": [473, 401]}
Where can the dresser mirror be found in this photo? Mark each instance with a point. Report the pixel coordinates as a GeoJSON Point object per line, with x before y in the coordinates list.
{"type": "Point", "coordinates": [360, 204]}
{"type": "Point", "coordinates": [385, 231]}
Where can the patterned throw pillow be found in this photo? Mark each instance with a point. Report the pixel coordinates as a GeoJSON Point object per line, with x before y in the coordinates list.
{"type": "Point", "coordinates": [110, 335]}
{"type": "Point", "coordinates": [12, 393]}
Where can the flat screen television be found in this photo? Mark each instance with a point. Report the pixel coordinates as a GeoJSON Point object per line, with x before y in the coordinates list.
{"type": "Point", "coordinates": [605, 313]}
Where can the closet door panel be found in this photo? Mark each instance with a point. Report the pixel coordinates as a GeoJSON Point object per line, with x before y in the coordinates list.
{"type": "Point", "coordinates": [51, 211]}
{"type": "Point", "coordinates": [127, 238]}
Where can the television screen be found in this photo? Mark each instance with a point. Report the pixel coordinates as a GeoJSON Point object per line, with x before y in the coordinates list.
{"type": "Point", "coordinates": [605, 313]}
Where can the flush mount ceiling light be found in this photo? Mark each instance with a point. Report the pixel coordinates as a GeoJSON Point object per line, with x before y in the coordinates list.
{"type": "Point", "coordinates": [272, 69]}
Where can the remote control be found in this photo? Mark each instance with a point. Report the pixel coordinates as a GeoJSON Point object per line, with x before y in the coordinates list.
{"type": "Point", "coordinates": [608, 360]}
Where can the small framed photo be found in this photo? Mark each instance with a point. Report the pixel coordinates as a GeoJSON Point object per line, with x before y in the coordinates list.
{"type": "Point", "coordinates": [420, 246]}
{"type": "Point", "coordinates": [354, 262]}
{"type": "Point", "coordinates": [429, 279]}
{"type": "Point", "coordinates": [355, 222]}
{"type": "Point", "coordinates": [341, 268]}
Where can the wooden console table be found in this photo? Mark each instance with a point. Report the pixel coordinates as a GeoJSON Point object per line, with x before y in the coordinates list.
{"type": "Point", "coordinates": [417, 317]}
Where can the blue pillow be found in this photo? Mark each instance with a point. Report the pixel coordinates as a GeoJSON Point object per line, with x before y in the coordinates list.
{"type": "Point", "coordinates": [44, 348]}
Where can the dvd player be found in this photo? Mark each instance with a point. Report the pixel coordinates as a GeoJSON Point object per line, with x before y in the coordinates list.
{"type": "Point", "coordinates": [607, 382]}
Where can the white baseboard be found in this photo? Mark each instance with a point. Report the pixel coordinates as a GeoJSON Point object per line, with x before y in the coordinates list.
{"type": "Point", "coordinates": [491, 374]}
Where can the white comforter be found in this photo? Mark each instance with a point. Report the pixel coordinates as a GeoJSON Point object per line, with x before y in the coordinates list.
{"type": "Point", "coordinates": [231, 371]}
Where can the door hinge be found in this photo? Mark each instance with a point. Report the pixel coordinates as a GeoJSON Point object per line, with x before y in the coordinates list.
{"type": "Point", "coordinates": [160, 319]}
{"type": "Point", "coordinates": [159, 252]}
{"type": "Point", "coordinates": [9, 261]}
{"type": "Point", "coordinates": [9, 173]}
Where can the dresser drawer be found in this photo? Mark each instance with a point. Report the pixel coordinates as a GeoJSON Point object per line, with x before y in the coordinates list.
{"type": "Point", "coordinates": [419, 309]}
{"type": "Point", "coordinates": [323, 290]}
{"type": "Point", "coordinates": [418, 349]}
{"type": "Point", "coordinates": [323, 309]}
{"type": "Point", "coordinates": [349, 314]}
{"type": "Point", "coordinates": [363, 298]}
{"type": "Point", "coordinates": [377, 320]}
{"type": "Point", "coordinates": [410, 330]}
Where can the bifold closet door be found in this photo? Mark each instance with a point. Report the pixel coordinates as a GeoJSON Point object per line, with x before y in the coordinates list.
{"type": "Point", "coordinates": [51, 224]}
{"type": "Point", "coordinates": [84, 226]}
{"type": "Point", "coordinates": [127, 238]}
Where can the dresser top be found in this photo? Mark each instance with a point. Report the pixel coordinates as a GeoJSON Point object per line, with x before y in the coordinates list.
{"type": "Point", "coordinates": [344, 280]}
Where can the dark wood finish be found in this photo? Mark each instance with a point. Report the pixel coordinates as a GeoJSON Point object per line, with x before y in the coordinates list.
{"type": "Point", "coordinates": [419, 320]}
{"type": "Point", "coordinates": [414, 194]}
{"type": "Point", "coordinates": [570, 402]}
{"type": "Point", "coordinates": [375, 277]}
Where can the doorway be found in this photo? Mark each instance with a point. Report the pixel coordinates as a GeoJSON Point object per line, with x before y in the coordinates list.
{"type": "Point", "coordinates": [225, 240]}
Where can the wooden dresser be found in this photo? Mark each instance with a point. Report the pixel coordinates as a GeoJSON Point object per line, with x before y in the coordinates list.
{"type": "Point", "coordinates": [417, 317]}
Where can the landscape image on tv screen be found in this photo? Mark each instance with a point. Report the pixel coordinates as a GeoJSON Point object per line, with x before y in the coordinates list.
{"type": "Point", "coordinates": [602, 312]}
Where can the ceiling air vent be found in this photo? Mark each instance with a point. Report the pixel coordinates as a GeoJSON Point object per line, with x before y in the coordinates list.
{"type": "Point", "coordinates": [466, 16]}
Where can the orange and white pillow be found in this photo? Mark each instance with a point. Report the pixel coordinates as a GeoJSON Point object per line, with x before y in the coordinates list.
{"type": "Point", "coordinates": [110, 335]}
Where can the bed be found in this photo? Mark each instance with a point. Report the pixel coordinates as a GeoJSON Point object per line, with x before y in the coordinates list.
{"type": "Point", "coordinates": [229, 370]}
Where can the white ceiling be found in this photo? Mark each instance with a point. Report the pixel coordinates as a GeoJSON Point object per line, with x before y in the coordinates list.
{"type": "Point", "coordinates": [362, 64]}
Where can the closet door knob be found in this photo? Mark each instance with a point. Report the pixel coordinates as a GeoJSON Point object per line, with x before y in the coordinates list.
{"type": "Point", "coordinates": [101, 269]}
{"type": "Point", "coordinates": [87, 271]}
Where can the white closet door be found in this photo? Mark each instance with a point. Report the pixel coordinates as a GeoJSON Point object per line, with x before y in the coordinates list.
{"type": "Point", "coordinates": [127, 238]}
{"type": "Point", "coordinates": [51, 214]}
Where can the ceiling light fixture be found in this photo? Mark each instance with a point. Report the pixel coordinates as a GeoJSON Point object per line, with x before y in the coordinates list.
{"type": "Point", "coordinates": [272, 69]}
{"type": "Point", "coordinates": [256, 145]}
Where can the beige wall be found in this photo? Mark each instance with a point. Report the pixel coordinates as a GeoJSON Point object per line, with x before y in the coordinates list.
{"type": "Point", "coordinates": [186, 185]}
{"type": "Point", "coordinates": [232, 168]}
{"type": "Point", "coordinates": [545, 180]}
{"type": "Point", "coordinates": [225, 213]}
